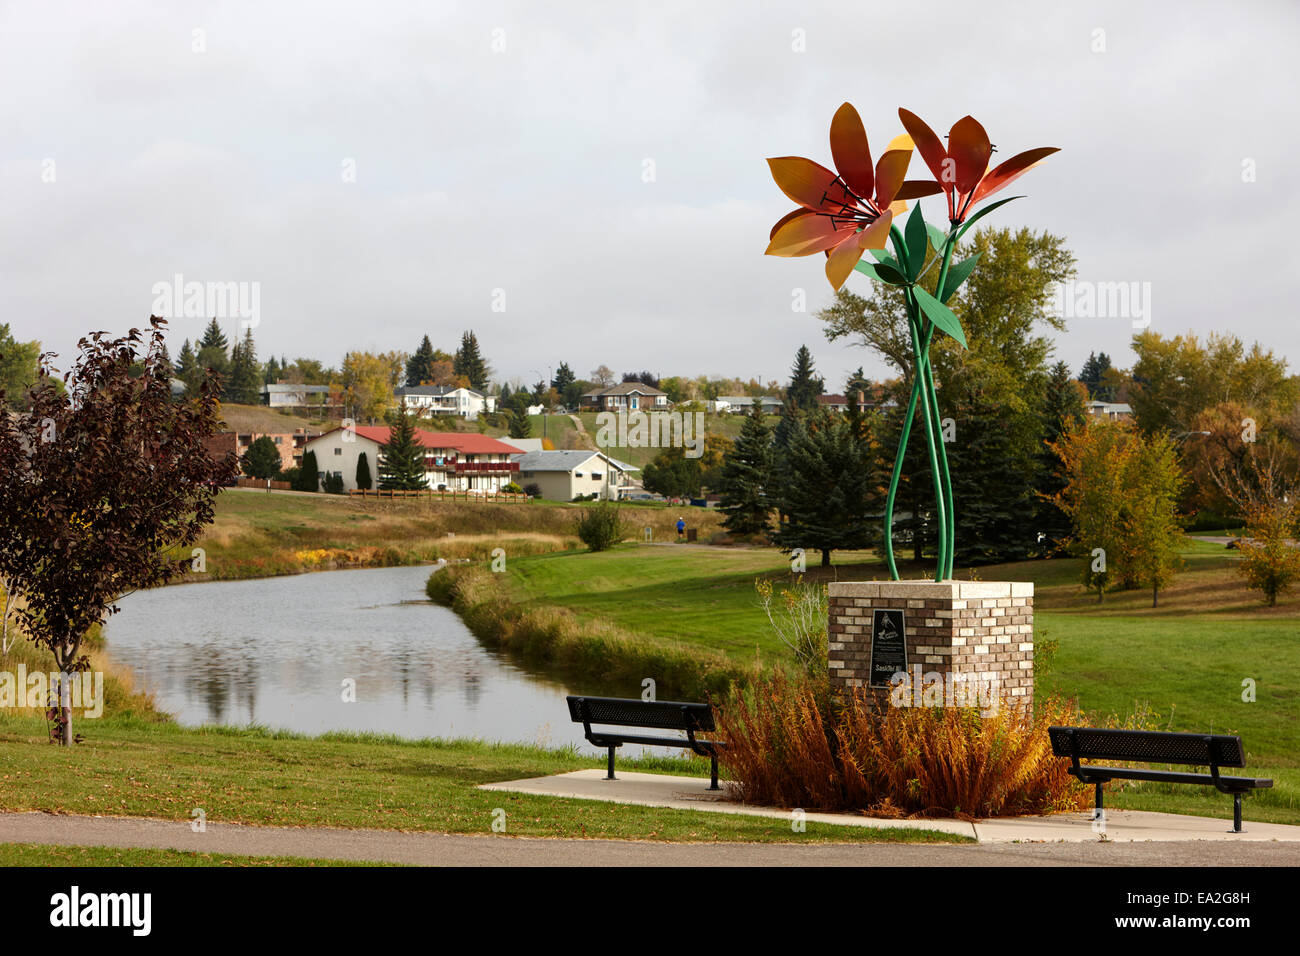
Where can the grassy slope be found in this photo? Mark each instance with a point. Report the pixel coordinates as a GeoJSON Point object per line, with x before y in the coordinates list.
{"type": "Point", "coordinates": [728, 425]}
{"type": "Point", "coordinates": [1183, 662]}
{"type": "Point", "coordinates": [257, 534]}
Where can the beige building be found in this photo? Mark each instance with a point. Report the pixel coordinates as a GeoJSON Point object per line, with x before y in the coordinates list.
{"type": "Point", "coordinates": [564, 475]}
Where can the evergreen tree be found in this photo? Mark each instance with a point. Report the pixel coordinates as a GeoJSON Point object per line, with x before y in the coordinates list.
{"type": "Point", "coordinates": [262, 460]}
{"type": "Point", "coordinates": [212, 355]}
{"type": "Point", "coordinates": [271, 372]}
{"type": "Point", "coordinates": [563, 382]}
{"type": "Point", "coordinates": [1062, 411]}
{"type": "Point", "coordinates": [401, 461]}
{"type": "Point", "coordinates": [801, 394]}
{"type": "Point", "coordinates": [364, 481]}
{"type": "Point", "coordinates": [469, 363]}
{"type": "Point", "coordinates": [419, 367]}
{"type": "Point", "coordinates": [214, 338]}
{"type": "Point", "coordinates": [504, 399]}
{"type": "Point", "coordinates": [187, 368]}
{"type": "Point", "coordinates": [517, 419]}
{"type": "Point", "coordinates": [830, 488]}
{"type": "Point", "coordinates": [746, 477]}
{"type": "Point", "coordinates": [309, 476]}
{"type": "Point", "coordinates": [1092, 373]}
{"type": "Point", "coordinates": [245, 379]}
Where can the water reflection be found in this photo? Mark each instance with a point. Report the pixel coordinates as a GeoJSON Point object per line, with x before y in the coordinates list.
{"type": "Point", "coordinates": [279, 652]}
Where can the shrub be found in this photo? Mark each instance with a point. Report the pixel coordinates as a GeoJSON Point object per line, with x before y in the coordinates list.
{"type": "Point", "coordinates": [512, 489]}
{"type": "Point", "coordinates": [793, 743]}
{"type": "Point", "coordinates": [601, 527]}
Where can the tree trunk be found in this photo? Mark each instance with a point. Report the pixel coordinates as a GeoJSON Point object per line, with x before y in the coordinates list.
{"type": "Point", "coordinates": [1155, 597]}
{"type": "Point", "coordinates": [65, 707]}
{"type": "Point", "coordinates": [826, 557]}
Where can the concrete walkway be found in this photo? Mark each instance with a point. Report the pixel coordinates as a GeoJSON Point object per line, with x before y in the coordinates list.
{"type": "Point", "coordinates": [1121, 826]}
{"type": "Point", "coordinates": [441, 849]}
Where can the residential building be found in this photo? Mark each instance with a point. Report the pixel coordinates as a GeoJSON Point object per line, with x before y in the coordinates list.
{"type": "Point", "coordinates": [741, 404]}
{"type": "Point", "coordinates": [453, 461]}
{"type": "Point", "coordinates": [289, 444]}
{"type": "Point", "coordinates": [564, 475]}
{"type": "Point", "coordinates": [625, 397]}
{"type": "Point", "coordinates": [1109, 411]}
{"type": "Point", "coordinates": [295, 395]}
{"type": "Point", "coordinates": [446, 400]}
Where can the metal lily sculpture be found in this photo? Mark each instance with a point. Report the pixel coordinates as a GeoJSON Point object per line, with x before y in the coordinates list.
{"type": "Point", "coordinates": [853, 210]}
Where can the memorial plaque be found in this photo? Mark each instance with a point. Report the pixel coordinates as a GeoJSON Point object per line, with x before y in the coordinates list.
{"type": "Point", "coordinates": [888, 646]}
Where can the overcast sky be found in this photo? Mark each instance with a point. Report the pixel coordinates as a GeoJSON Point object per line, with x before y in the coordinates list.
{"type": "Point", "coordinates": [598, 169]}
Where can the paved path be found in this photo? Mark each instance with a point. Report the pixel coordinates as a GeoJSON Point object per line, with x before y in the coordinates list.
{"type": "Point", "coordinates": [692, 793]}
{"type": "Point", "coordinates": [438, 849]}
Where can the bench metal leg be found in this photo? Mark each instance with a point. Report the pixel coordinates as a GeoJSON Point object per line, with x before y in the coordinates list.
{"type": "Point", "coordinates": [1097, 812]}
{"type": "Point", "coordinates": [713, 780]}
{"type": "Point", "coordinates": [611, 765]}
{"type": "Point", "coordinates": [1236, 814]}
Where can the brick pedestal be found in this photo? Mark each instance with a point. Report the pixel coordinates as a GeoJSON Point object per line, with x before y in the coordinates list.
{"type": "Point", "coordinates": [972, 630]}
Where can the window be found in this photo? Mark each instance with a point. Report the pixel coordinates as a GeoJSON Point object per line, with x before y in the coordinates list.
{"type": "Point", "coordinates": [338, 451]}
{"type": "Point", "coordinates": [596, 476]}
{"type": "Point", "coordinates": [577, 474]}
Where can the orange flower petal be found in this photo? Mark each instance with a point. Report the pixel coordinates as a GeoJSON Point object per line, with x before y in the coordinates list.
{"type": "Point", "coordinates": [850, 150]}
{"type": "Point", "coordinates": [897, 208]}
{"type": "Point", "coordinates": [840, 263]}
{"type": "Point", "coordinates": [784, 219]}
{"type": "Point", "coordinates": [1012, 169]}
{"type": "Point", "coordinates": [890, 171]}
{"type": "Point", "coordinates": [806, 233]}
{"type": "Point", "coordinates": [916, 188]}
{"type": "Point", "coordinates": [969, 147]}
{"type": "Point", "coordinates": [928, 145]}
{"type": "Point", "coordinates": [877, 234]}
{"type": "Point", "coordinates": [809, 184]}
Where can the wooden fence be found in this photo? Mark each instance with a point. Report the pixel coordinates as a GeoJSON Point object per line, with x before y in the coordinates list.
{"type": "Point", "coordinates": [429, 493]}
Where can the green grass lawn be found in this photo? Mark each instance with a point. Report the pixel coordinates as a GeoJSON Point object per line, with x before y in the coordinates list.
{"type": "Point", "coordinates": [41, 854]}
{"type": "Point", "coordinates": [1183, 662]}
{"type": "Point", "coordinates": [129, 768]}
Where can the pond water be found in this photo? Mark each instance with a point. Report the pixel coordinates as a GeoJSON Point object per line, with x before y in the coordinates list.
{"type": "Point", "coordinates": [277, 652]}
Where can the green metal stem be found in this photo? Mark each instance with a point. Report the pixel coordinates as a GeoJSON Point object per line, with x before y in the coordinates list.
{"type": "Point", "coordinates": [921, 347]}
{"type": "Point", "coordinates": [903, 437]}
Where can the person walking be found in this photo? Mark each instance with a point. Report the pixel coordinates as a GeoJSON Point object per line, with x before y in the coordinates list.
{"type": "Point", "coordinates": [681, 527]}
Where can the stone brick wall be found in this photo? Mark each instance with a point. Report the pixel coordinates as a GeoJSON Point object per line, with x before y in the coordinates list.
{"type": "Point", "coordinates": [970, 629]}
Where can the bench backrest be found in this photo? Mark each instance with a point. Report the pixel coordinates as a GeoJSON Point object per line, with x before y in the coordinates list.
{"type": "Point", "coordinates": [630, 712]}
{"type": "Point", "coordinates": [1147, 746]}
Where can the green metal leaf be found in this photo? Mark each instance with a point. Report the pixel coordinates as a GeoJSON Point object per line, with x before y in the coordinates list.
{"type": "Point", "coordinates": [917, 240]}
{"type": "Point", "coordinates": [940, 315]}
{"type": "Point", "coordinates": [937, 237]}
{"type": "Point", "coordinates": [984, 212]}
{"type": "Point", "coordinates": [882, 272]}
{"type": "Point", "coordinates": [882, 256]}
{"type": "Point", "coordinates": [957, 275]}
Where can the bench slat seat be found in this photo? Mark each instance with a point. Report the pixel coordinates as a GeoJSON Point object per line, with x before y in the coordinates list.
{"type": "Point", "coordinates": [1153, 746]}
{"type": "Point", "coordinates": [686, 716]}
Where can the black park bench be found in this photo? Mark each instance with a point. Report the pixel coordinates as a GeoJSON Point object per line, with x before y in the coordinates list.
{"type": "Point", "coordinates": [1151, 746]}
{"type": "Point", "coordinates": [649, 714]}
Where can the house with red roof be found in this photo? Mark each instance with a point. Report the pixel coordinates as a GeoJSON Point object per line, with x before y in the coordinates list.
{"type": "Point", "coordinates": [453, 461]}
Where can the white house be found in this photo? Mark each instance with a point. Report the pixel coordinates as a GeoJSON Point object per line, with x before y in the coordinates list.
{"type": "Point", "coordinates": [564, 475]}
{"type": "Point", "coordinates": [1112, 411]}
{"type": "Point", "coordinates": [454, 461]}
{"type": "Point", "coordinates": [446, 400]}
{"type": "Point", "coordinates": [741, 404]}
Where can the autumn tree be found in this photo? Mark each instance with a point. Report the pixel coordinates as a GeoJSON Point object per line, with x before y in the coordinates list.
{"type": "Point", "coordinates": [1264, 492]}
{"type": "Point", "coordinates": [105, 487]}
{"type": "Point", "coordinates": [369, 381]}
{"type": "Point", "coordinates": [1121, 491]}
{"type": "Point", "coordinates": [19, 365]}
